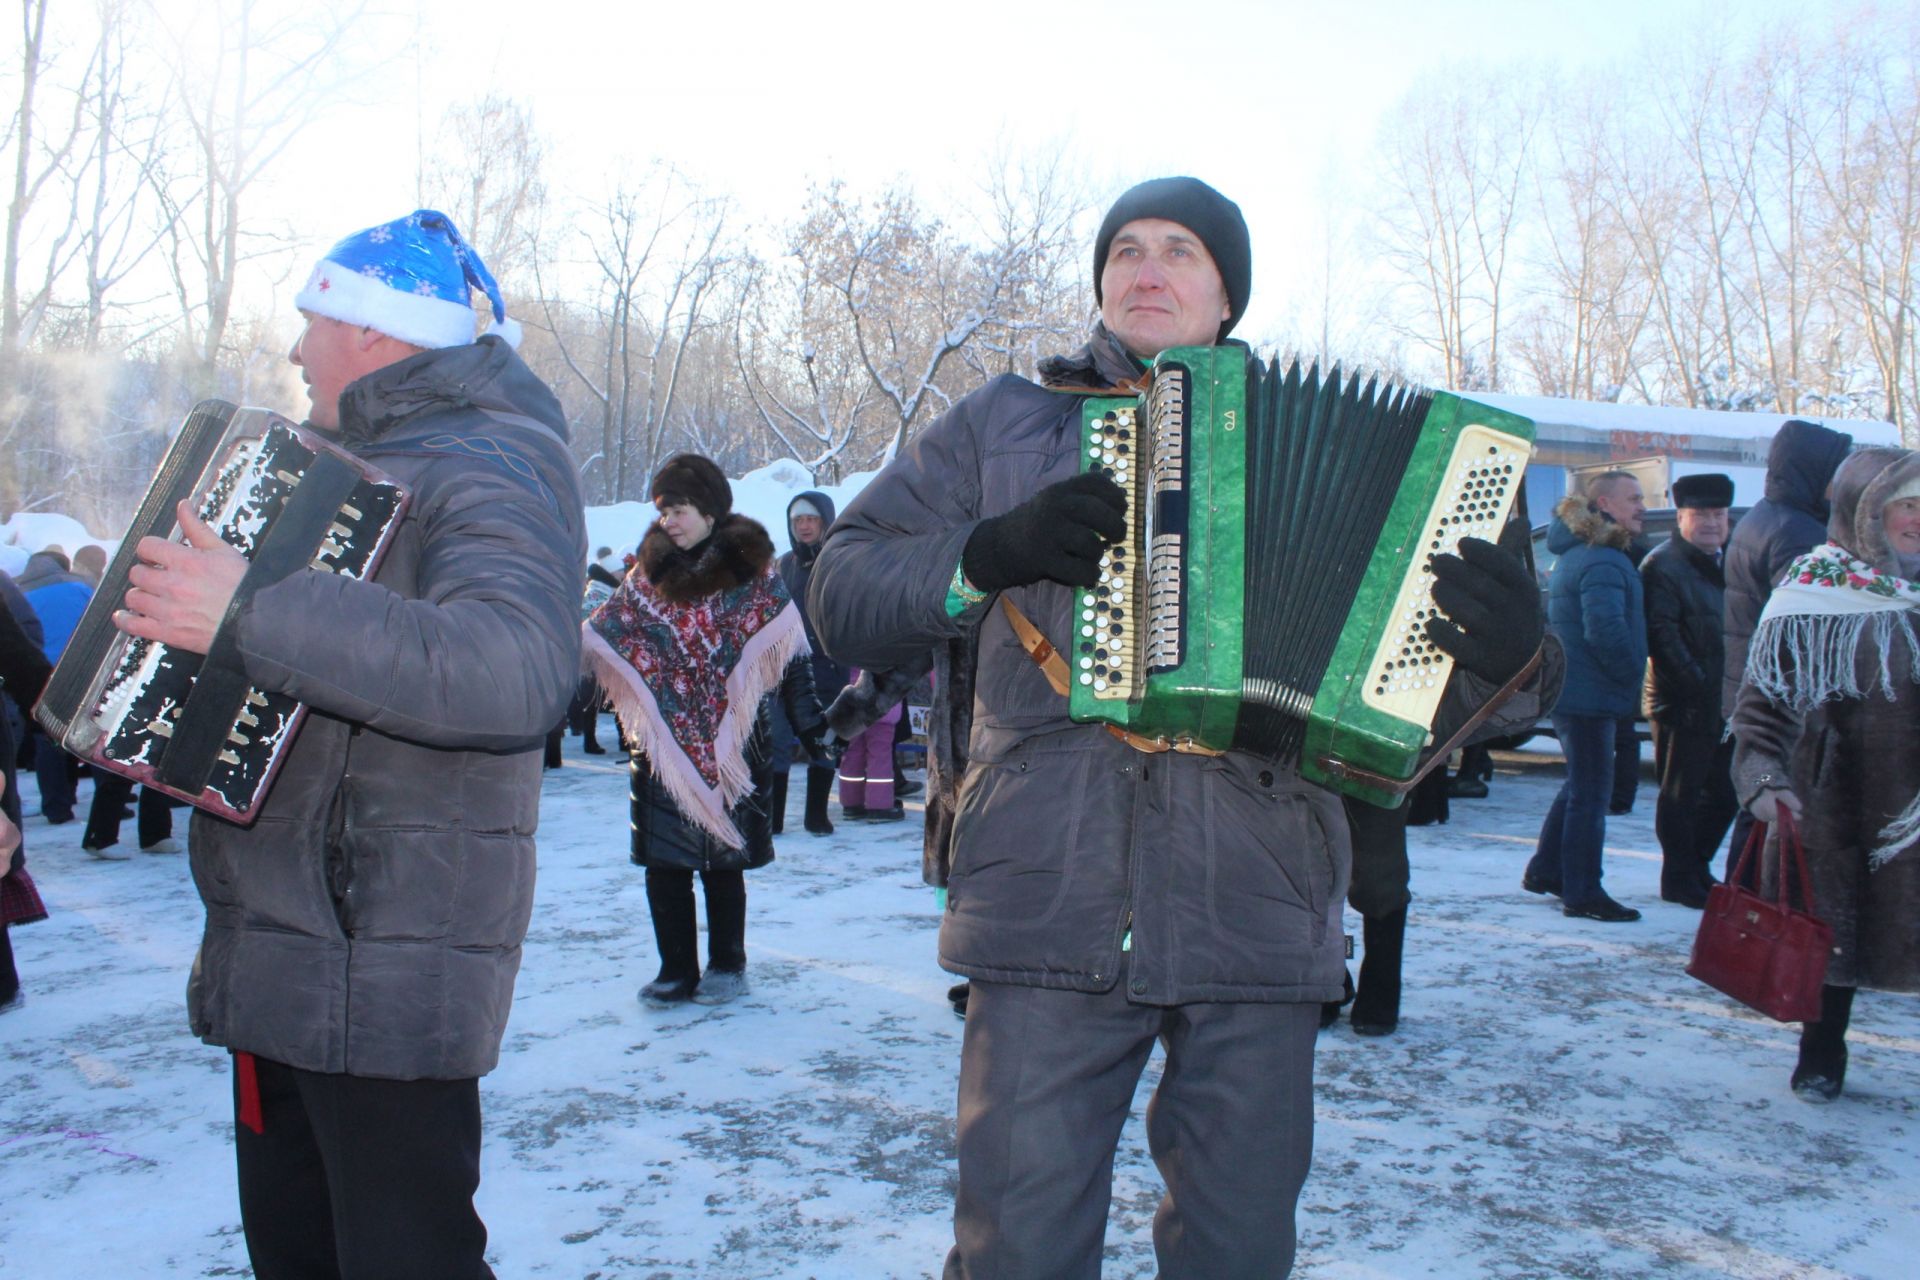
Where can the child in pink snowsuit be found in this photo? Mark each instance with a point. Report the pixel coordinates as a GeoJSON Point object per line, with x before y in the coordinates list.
{"type": "Point", "coordinates": [866, 770]}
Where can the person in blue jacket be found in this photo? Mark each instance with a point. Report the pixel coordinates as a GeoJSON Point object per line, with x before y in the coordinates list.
{"type": "Point", "coordinates": [1594, 605]}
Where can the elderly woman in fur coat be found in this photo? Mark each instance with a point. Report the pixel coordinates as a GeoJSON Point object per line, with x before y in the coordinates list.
{"type": "Point", "coordinates": [1828, 727]}
{"type": "Point", "coordinates": [688, 649]}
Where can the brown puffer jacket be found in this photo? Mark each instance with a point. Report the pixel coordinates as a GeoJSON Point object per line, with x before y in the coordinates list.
{"type": "Point", "coordinates": [1854, 763]}
{"type": "Point", "coordinates": [370, 920]}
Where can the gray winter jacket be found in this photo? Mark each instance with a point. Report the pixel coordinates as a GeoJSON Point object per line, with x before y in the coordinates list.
{"type": "Point", "coordinates": [1228, 872]}
{"type": "Point", "coordinates": [370, 920]}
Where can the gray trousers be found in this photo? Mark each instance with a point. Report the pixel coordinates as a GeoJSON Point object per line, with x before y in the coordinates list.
{"type": "Point", "coordinates": [1046, 1081]}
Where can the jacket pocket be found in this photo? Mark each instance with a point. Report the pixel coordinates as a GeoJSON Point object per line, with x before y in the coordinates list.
{"type": "Point", "coordinates": [1272, 863]}
{"type": "Point", "coordinates": [1016, 837]}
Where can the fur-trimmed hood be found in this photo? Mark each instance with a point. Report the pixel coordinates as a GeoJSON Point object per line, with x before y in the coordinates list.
{"type": "Point", "coordinates": [1590, 525]}
{"type": "Point", "coordinates": [736, 552]}
{"type": "Point", "coordinates": [1862, 487]}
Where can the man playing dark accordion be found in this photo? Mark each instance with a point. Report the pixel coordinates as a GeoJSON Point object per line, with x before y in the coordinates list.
{"type": "Point", "coordinates": [363, 935]}
{"type": "Point", "coordinates": [1102, 897]}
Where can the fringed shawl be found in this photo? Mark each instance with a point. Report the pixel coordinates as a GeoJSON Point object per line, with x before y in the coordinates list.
{"type": "Point", "coordinates": [686, 678]}
{"type": "Point", "coordinates": [1807, 647]}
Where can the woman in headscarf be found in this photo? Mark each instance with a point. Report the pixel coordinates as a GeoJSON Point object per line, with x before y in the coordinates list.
{"type": "Point", "coordinates": [1828, 727]}
{"type": "Point", "coordinates": [688, 648]}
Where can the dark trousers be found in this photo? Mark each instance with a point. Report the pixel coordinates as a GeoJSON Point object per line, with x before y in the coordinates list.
{"type": "Point", "coordinates": [1696, 802]}
{"type": "Point", "coordinates": [1046, 1081]}
{"type": "Point", "coordinates": [1626, 764]}
{"type": "Point", "coordinates": [154, 820]}
{"type": "Point", "coordinates": [583, 713]}
{"type": "Point", "coordinates": [9, 976]}
{"type": "Point", "coordinates": [359, 1179]}
{"type": "Point", "coordinates": [1381, 873]}
{"type": "Point", "coordinates": [1568, 854]}
{"type": "Point", "coordinates": [58, 774]}
{"type": "Point", "coordinates": [670, 902]}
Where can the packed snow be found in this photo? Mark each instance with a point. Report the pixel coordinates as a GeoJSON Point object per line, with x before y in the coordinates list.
{"type": "Point", "coordinates": [1561, 1099]}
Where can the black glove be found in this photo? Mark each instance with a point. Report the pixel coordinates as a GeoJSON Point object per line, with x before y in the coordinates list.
{"type": "Point", "coordinates": [820, 746]}
{"type": "Point", "coordinates": [1494, 608]}
{"type": "Point", "coordinates": [1056, 535]}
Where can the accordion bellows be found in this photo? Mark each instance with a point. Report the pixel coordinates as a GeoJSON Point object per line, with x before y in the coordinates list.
{"type": "Point", "coordinates": [1272, 592]}
{"type": "Point", "coordinates": [189, 724]}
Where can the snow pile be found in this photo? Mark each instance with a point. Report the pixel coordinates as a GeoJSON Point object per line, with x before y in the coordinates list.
{"type": "Point", "coordinates": [762, 493]}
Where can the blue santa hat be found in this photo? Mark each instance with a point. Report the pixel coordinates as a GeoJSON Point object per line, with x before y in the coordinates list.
{"type": "Point", "coordinates": [411, 279]}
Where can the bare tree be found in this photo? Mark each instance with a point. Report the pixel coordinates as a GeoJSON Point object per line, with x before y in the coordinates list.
{"type": "Point", "coordinates": [813, 407]}
{"type": "Point", "coordinates": [37, 160]}
{"type": "Point", "coordinates": [1868, 165]}
{"type": "Point", "coordinates": [656, 260]}
{"type": "Point", "coordinates": [485, 174]}
{"type": "Point", "coordinates": [1455, 165]}
{"type": "Point", "coordinates": [248, 82]}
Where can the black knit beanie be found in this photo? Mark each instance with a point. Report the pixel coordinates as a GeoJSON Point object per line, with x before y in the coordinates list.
{"type": "Point", "coordinates": [1200, 209]}
{"type": "Point", "coordinates": [695, 481]}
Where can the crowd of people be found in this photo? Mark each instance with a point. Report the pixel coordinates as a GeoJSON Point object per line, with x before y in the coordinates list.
{"type": "Point", "coordinates": [1098, 892]}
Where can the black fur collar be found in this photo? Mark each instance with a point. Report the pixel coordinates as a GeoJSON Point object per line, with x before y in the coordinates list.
{"type": "Point", "coordinates": [735, 553]}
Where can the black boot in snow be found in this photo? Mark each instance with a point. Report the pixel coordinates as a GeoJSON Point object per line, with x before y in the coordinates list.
{"type": "Point", "coordinates": [777, 803]}
{"type": "Point", "coordinates": [1376, 1010]}
{"type": "Point", "coordinates": [819, 787]}
{"type": "Point", "coordinates": [1330, 1011]}
{"type": "Point", "coordinates": [1822, 1068]}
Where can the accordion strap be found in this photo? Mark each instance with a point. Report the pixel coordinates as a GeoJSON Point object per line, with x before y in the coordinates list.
{"type": "Point", "coordinates": [1054, 667]}
{"type": "Point", "coordinates": [1435, 758]}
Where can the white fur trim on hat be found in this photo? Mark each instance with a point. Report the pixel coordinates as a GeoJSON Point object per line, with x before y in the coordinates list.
{"type": "Point", "coordinates": [340, 293]}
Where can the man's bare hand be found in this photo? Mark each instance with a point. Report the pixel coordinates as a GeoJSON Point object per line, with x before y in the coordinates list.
{"type": "Point", "coordinates": [179, 594]}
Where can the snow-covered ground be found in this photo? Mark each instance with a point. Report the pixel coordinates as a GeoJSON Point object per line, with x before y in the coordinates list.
{"type": "Point", "coordinates": [1561, 1099]}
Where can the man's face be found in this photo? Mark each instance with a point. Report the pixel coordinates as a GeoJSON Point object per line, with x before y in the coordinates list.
{"type": "Point", "coordinates": [1624, 501]}
{"type": "Point", "coordinates": [1704, 527]}
{"type": "Point", "coordinates": [332, 354]}
{"type": "Point", "coordinates": [1160, 289]}
{"type": "Point", "coordinates": [806, 528]}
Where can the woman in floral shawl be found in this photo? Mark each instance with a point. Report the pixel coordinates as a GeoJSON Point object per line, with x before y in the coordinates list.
{"type": "Point", "coordinates": [688, 648]}
{"type": "Point", "coordinates": [1828, 727]}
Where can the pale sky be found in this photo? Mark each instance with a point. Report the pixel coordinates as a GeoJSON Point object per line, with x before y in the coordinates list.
{"type": "Point", "coordinates": [1270, 102]}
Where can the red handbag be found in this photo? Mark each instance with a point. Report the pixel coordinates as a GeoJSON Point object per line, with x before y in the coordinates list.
{"type": "Point", "coordinates": [1770, 956]}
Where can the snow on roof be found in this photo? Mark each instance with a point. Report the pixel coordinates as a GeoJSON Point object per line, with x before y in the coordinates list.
{"type": "Point", "coordinates": [1657, 420]}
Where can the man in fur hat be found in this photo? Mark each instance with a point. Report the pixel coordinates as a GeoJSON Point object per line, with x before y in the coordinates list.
{"type": "Point", "coordinates": [1685, 594]}
{"type": "Point", "coordinates": [1102, 898]}
{"type": "Point", "coordinates": [363, 935]}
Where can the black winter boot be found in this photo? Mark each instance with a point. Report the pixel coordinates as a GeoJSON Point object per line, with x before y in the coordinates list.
{"type": "Point", "coordinates": [1376, 1010]}
{"type": "Point", "coordinates": [1330, 1011]}
{"type": "Point", "coordinates": [675, 936]}
{"type": "Point", "coordinates": [777, 803]}
{"type": "Point", "coordinates": [819, 787]}
{"type": "Point", "coordinates": [1822, 1068]}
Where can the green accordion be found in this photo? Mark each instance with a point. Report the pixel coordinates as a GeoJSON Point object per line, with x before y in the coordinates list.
{"type": "Point", "coordinates": [1272, 590]}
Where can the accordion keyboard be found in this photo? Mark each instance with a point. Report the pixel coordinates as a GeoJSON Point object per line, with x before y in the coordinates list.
{"type": "Point", "coordinates": [1166, 545]}
{"type": "Point", "coordinates": [1408, 673]}
{"type": "Point", "coordinates": [1106, 652]}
